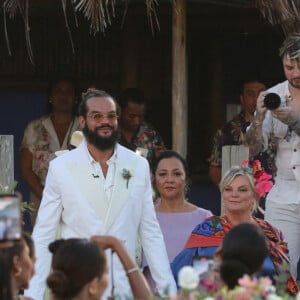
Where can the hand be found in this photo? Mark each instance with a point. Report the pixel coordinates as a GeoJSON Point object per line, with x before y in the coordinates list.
{"type": "Point", "coordinates": [106, 241]}
{"type": "Point", "coordinates": [260, 106]}
{"type": "Point", "coordinates": [285, 114]}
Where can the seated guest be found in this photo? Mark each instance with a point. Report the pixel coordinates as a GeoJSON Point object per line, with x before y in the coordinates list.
{"type": "Point", "coordinates": [239, 195]}
{"type": "Point", "coordinates": [243, 251]}
{"type": "Point", "coordinates": [136, 134]}
{"type": "Point", "coordinates": [80, 269]}
{"type": "Point", "coordinates": [175, 214]}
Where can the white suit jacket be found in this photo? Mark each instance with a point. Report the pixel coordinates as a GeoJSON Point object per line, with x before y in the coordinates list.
{"type": "Point", "coordinates": [70, 201]}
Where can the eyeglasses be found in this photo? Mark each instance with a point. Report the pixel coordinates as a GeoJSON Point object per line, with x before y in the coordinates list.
{"type": "Point", "coordinates": [99, 117]}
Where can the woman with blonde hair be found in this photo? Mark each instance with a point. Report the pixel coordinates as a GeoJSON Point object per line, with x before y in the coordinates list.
{"type": "Point", "coordinates": [241, 187]}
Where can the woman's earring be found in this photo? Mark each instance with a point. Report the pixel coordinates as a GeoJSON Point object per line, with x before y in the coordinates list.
{"type": "Point", "coordinates": [18, 273]}
{"type": "Point", "coordinates": [92, 291]}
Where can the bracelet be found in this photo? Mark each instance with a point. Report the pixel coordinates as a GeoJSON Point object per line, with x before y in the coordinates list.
{"type": "Point", "coordinates": [134, 269]}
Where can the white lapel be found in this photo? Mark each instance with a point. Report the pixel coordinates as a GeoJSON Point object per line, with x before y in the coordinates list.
{"type": "Point", "coordinates": [120, 191]}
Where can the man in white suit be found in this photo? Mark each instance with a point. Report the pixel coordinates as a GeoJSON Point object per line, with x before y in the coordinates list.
{"type": "Point", "coordinates": [100, 188]}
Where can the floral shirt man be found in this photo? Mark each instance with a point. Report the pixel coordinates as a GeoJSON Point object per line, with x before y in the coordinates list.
{"type": "Point", "coordinates": [233, 133]}
{"type": "Point", "coordinates": [145, 141]}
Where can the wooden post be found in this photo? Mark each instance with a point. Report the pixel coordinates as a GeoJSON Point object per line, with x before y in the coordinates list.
{"type": "Point", "coordinates": [232, 156]}
{"type": "Point", "coordinates": [6, 162]}
{"type": "Point", "coordinates": [179, 82]}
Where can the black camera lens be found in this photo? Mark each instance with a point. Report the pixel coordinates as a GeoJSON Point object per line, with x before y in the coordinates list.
{"type": "Point", "coordinates": [272, 101]}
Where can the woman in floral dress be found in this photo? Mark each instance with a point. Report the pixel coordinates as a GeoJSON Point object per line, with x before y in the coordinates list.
{"type": "Point", "coordinates": [46, 135]}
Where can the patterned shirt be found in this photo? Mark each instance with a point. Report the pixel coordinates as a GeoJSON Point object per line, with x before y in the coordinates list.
{"type": "Point", "coordinates": [233, 133]}
{"type": "Point", "coordinates": [41, 140]}
{"type": "Point", "coordinates": [145, 137]}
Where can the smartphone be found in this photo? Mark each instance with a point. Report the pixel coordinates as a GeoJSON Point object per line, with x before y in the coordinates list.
{"type": "Point", "coordinates": [10, 218]}
{"type": "Point", "coordinates": [202, 264]}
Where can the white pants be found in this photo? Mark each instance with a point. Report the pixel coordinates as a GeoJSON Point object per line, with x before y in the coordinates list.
{"type": "Point", "coordinates": [286, 217]}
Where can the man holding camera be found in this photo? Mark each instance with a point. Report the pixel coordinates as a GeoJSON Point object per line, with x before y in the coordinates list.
{"type": "Point", "coordinates": [283, 123]}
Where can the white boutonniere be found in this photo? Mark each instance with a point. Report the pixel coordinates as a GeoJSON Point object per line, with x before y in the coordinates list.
{"type": "Point", "coordinates": [127, 176]}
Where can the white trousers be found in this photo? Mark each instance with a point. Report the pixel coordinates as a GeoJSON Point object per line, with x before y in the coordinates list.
{"type": "Point", "coordinates": [286, 217]}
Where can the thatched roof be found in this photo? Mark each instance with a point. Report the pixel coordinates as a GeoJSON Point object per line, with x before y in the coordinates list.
{"type": "Point", "coordinates": [100, 13]}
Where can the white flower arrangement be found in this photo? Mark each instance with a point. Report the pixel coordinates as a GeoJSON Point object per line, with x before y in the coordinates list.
{"type": "Point", "coordinates": [248, 288]}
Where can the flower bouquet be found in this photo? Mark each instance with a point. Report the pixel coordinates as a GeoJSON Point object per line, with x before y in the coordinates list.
{"type": "Point", "coordinates": [248, 288]}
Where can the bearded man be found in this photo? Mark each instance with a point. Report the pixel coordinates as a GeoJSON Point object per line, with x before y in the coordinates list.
{"type": "Point", "coordinates": [100, 188]}
{"type": "Point", "coordinates": [283, 124]}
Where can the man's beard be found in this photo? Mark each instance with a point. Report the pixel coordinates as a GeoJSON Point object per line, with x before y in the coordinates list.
{"type": "Point", "coordinates": [101, 143]}
{"type": "Point", "coordinates": [296, 86]}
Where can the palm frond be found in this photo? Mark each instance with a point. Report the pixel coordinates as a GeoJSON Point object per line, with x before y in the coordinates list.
{"type": "Point", "coordinates": [285, 13]}
{"type": "Point", "coordinates": [64, 6]}
{"type": "Point", "coordinates": [98, 12]}
{"type": "Point", "coordinates": [151, 13]}
{"type": "Point", "coordinates": [12, 7]}
{"type": "Point", "coordinates": [27, 33]}
{"type": "Point", "coordinates": [5, 32]}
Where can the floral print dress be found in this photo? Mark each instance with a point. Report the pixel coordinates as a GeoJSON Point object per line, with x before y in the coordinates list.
{"type": "Point", "coordinates": [41, 140]}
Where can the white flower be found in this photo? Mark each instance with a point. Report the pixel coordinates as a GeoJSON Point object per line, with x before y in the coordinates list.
{"type": "Point", "coordinates": [188, 278]}
{"type": "Point", "coordinates": [273, 297]}
{"type": "Point", "coordinates": [298, 296]}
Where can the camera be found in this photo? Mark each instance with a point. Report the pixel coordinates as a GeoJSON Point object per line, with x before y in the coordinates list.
{"type": "Point", "coordinates": [273, 101]}
{"type": "Point", "coordinates": [10, 218]}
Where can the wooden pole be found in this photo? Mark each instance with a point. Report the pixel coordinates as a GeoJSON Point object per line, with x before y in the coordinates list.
{"type": "Point", "coordinates": [6, 162]}
{"type": "Point", "coordinates": [179, 81]}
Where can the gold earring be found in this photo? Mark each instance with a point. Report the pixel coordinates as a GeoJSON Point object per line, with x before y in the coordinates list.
{"type": "Point", "coordinates": [18, 273]}
{"type": "Point", "coordinates": [92, 291]}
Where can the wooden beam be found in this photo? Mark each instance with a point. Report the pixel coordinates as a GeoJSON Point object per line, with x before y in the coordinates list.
{"type": "Point", "coordinates": [6, 163]}
{"type": "Point", "coordinates": [179, 80]}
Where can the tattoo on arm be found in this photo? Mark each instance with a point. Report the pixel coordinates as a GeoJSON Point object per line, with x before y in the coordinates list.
{"type": "Point", "coordinates": [254, 138]}
{"type": "Point", "coordinates": [296, 126]}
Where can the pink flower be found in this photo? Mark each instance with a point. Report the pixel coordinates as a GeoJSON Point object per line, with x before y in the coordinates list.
{"type": "Point", "coordinates": [209, 284]}
{"type": "Point", "coordinates": [263, 180]}
{"type": "Point", "coordinates": [264, 184]}
{"type": "Point", "coordinates": [265, 282]}
{"type": "Point", "coordinates": [244, 163]}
